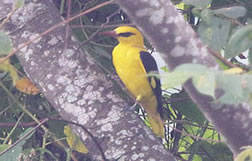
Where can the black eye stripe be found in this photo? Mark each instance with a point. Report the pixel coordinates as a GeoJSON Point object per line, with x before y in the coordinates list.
{"type": "Point", "coordinates": [126, 34]}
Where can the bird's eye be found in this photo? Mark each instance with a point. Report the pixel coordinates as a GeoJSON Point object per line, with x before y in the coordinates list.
{"type": "Point", "coordinates": [126, 34]}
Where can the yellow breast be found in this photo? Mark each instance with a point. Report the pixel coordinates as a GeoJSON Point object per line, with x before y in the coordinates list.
{"type": "Point", "coordinates": [129, 68]}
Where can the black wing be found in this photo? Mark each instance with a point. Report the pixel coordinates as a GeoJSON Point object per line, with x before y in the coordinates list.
{"type": "Point", "coordinates": [150, 65]}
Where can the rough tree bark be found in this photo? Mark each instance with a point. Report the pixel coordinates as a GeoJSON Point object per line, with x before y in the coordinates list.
{"type": "Point", "coordinates": [167, 30]}
{"type": "Point", "coordinates": [77, 87]}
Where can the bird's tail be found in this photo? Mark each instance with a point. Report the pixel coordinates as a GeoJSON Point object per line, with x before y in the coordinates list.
{"type": "Point", "coordinates": [156, 122]}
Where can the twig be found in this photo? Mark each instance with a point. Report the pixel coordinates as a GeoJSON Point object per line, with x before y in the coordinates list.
{"type": "Point", "coordinates": [101, 27]}
{"type": "Point", "coordinates": [228, 63]}
{"type": "Point", "coordinates": [21, 124]}
{"type": "Point", "coordinates": [8, 17]}
{"type": "Point", "coordinates": [219, 57]}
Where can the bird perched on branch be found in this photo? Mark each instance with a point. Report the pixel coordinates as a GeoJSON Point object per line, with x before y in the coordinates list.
{"type": "Point", "coordinates": [133, 63]}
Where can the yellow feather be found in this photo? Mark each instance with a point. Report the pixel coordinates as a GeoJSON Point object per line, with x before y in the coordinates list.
{"type": "Point", "coordinates": [130, 69]}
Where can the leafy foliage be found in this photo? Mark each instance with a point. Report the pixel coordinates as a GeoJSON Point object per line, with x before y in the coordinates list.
{"type": "Point", "coordinates": [213, 30]}
{"type": "Point", "coordinates": [239, 42]}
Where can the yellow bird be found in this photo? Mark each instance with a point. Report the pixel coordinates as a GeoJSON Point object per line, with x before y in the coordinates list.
{"type": "Point", "coordinates": [132, 63]}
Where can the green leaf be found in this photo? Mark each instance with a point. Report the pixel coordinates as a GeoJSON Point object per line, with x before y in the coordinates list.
{"type": "Point", "coordinates": [3, 147]}
{"type": "Point", "coordinates": [240, 41]}
{"type": "Point", "coordinates": [237, 88]}
{"type": "Point", "coordinates": [231, 84]}
{"type": "Point", "coordinates": [181, 74]}
{"type": "Point", "coordinates": [173, 79]}
{"type": "Point", "coordinates": [18, 4]}
{"type": "Point", "coordinates": [206, 15]}
{"type": "Point", "coordinates": [5, 44]}
{"type": "Point", "coordinates": [6, 66]}
{"type": "Point", "coordinates": [186, 107]}
{"type": "Point", "coordinates": [205, 83]}
{"type": "Point", "coordinates": [231, 12]}
{"type": "Point", "coordinates": [12, 154]}
{"type": "Point", "coordinates": [198, 3]}
{"type": "Point", "coordinates": [74, 141]}
{"type": "Point", "coordinates": [214, 31]}
{"type": "Point", "coordinates": [203, 79]}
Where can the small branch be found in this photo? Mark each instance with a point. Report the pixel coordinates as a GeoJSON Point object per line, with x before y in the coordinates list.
{"type": "Point", "coordinates": [223, 60]}
{"type": "Point", "coordinates": [22, 124]}
{"type": "Point", "coordinates": [228, 63]}
{"type": "Point", "coordinates": [8, 17]}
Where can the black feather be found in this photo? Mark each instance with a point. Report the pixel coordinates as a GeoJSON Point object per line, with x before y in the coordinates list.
{"type": "Point", "coordinates": [150, 65]}
{"type": "Point", "coordinates": [125, 34]}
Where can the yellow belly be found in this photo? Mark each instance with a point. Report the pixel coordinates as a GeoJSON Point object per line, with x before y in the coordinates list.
{"type": "Point", "coordinates": [129, 68]}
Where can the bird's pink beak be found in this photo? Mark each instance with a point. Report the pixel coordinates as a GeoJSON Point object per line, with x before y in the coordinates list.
{"type": "Point", "coordinates": [109, 33]}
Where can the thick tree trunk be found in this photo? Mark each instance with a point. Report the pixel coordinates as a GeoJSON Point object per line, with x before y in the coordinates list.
{"type": "Point", "coordinates": [77, 87]}
{"type": "Point", "coordinates": [178, 44]}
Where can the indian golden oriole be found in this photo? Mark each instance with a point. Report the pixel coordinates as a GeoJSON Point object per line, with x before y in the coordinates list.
{"type": "Point", "coordinates": [132, 63]}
